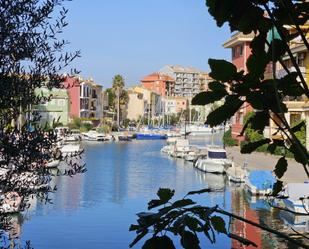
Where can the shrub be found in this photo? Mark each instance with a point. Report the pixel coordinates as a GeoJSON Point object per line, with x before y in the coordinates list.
{"type": "Point", "coordinates": [228, 140]}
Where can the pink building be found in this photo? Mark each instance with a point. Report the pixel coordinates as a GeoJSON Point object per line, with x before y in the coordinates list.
{"type": "Point", "coordinates": [240, 51]}
{"type": "Point", "coordinates": [73, 88]}
{"type": "Point", "coordinates": [86, 98]}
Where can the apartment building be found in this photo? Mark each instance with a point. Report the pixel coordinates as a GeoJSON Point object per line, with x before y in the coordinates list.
{"type": "Point", "coordinates": [159, 83]}
{"type": "Point", "coordinates": [56, 109]}
{"type": "Point", "coordinates": [187, 80]}
{"type": "Point", "coordinates": [174, 105]}
{"type": "Point", "coordinates": [144, 102]}
{"type": "Point", "coordinates": [86, 99]}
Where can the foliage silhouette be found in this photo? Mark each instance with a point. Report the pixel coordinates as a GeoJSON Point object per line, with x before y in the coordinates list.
{"type": "Point", "coordinates": [32, 56]}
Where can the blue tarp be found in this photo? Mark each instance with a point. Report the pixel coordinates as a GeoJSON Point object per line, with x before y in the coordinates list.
{"type": "Point", "coordinates": [262, 179]}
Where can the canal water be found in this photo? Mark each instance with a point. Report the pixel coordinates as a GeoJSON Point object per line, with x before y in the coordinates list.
{"type": "Point", "coordinates": [95, 209]}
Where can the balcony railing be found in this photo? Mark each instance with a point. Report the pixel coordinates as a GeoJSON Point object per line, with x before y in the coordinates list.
{"type": "Point", "coordinates": [281, 73]}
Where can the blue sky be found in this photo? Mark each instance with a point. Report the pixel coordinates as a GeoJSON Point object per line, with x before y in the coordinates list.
{"type": "Point", "coordinates": [137, 37]}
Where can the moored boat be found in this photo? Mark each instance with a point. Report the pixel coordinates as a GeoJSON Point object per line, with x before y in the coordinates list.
{"type": "Point", "coordinates": [236, 173]}
{"type": "Point", "coordinates": [93, 135]}
{"type": "Point", "coordinates": [215, 161]}
{"type": "Point", "coordinates": [180, 148]}
{"type": "Point", "coordinates": [297, 195]}
{"type": "Point", "coordinates": [259, 182]}
{"type": "Point", "coordinates": [150, 136]}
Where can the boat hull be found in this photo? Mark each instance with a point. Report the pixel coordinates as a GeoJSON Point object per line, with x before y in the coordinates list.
{"type": "Point", "coordinates": [140, 136]}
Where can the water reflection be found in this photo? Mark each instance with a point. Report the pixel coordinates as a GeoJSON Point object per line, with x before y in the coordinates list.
{"type": "Point", "coordinates": [94, 210]}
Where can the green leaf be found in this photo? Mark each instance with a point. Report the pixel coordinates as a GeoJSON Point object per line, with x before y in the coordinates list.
{"type": "Point", "coordinates": [218, 224]}
{"type": "Point", "coordinates": [224, 112]}
{"type": "Point", "coordinates": [250, 147]}
{"type": "Point", "coordinates": [259, 120]}
{"type": "Point", "coordinates": [256, 101]}
{"type": "Point", "coordinates": [191, 222]}
{"type": "Point", "coordinates": [290, 85]}
{"type": "Point", "coordinates": [222, 70]}
{"type": "Point", "coordinates": [165, 194]}
{"type": "Point", "coordinates": [189, 240]}
{"type": "Point", "coordinates": [281, 167]}
{"type": "Point", "coordinates": [272, 147]}
{"type": "Point", "coordinates": [256, 64]}
{"type": "Point", "coordinates": [258, 43]}
{"type": "Point", "coordinates": [163, 242]}
{"type": "Point", "coordinates": [216, 86]}
{"type": "Point", "coordinates": [277, 49]}
{"type": "Point", "coordinates": [242, 240]}
{"type": "Point", "coordinates": [138, 237]}
{"type": "Point", "coordinates": [155, 203]}
{"type": "Point", "coordinates": [277, 188]}
{"type": "Point", "coordinates": [134, 227]}
{"type": "Point", "coordinates": [300, 153]}
{"type": "Point", "coordinates": [182, 203]}
{"type": "Point", "coordinates": [205, 98]}
{"type": "Point", "coordinates": [205, 190]}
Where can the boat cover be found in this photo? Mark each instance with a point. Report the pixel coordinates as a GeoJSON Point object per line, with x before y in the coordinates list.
{"type": "Point", "coordinates": [262, 179]}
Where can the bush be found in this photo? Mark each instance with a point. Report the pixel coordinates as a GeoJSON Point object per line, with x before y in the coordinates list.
{"type": "Point", "coordinates": [228, 140]}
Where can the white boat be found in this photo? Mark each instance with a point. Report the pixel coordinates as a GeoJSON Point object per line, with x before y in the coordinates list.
{"type": "Point", "coordinates": [259, 182]}
{"type": "Point", "coordinates": [72, 136]}
{"type": "Point", "coordinates": [197, 129]}
{"type": "Point", "coordinates": [180, 148]}
{"type": "Point", "coordinates": [195, 153]}
{"type": "Point", "coordinates": [168, 148]}
{"type": "Point", "coordinates": [52, 163]}
{"type": "Point", "coordinates": [70, 149]}
{"type": "Point", "coordinates": [236, 173]}
{"type": "Point", "coordinates": [297, 197]}
{"type": "Point", "coordinates": [93, 135]}
{"type": "Point", "coordinates": [215, 161]}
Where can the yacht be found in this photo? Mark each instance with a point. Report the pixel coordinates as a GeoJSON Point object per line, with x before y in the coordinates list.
{"type": "Point", "coordinates": [215, 161]}
{"type": "Point", "coordinates": [197, 130]}
{"type": "Point", "coordinates": [93, 135]}
{"type": "Point", "coordinates": [180, 148]}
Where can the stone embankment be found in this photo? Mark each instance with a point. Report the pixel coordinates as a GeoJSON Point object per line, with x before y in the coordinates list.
{"type": "Point", "coordinates": [256, 160]}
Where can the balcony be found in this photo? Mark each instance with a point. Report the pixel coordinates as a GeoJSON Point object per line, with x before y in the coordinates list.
{"type": "Point", "coordinates": [281, 73]}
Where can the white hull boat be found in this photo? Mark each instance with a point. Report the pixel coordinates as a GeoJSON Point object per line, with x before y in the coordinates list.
{"type": "Point", "coordinates": [197, 130]}
{"type": "Point", "coordinates": [214, 162]}
{"type": "Point", "coordinates": [70, 149]}
{"type": "Point", "coordinates": [94, 136]}
{"type": "Point", "coordinates": [236, 174]}
{"type": "Point", "coordinates": [297, 197]}
{"type": "Point", "coordinates": [181, 148]}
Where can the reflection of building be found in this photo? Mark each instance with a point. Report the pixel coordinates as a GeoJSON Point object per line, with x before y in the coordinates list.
{"type": "Point", "coordinates": [240, 51]}
{"type": "Point", "coordinates": [56, 109]}
{"type": "Point", "coordinates": [159, 83]}
{"type": "Point", "coordinates": [187, 80]}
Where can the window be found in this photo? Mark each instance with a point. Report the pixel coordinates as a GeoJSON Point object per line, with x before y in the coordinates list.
{"type": "Point", "coordinates": [241, 48]}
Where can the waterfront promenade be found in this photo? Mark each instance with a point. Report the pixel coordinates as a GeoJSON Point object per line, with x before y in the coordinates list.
{"type": "Point", "coordinates": [257, 160]}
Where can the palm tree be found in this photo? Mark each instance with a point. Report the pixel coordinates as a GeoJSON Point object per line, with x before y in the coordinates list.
{"type": "Point", "coordinates": [121, 94]}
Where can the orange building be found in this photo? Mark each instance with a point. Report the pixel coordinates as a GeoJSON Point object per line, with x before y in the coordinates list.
{"type": "Point", "coordinates": [159, 83]}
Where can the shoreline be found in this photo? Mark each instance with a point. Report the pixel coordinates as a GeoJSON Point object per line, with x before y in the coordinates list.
{"type": "Point", "coordinates": [258, 160]}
